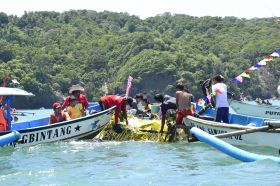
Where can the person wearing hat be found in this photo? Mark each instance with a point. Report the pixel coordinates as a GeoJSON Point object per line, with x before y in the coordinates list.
{"type": "Point", "coordinates": [76, 91]}
{"type": "Point", "coordinates": [219, 92]}
{"type": "Point", "coordinates": [75, 109]}
{"type": "Point", "coordinates": [120, 103]}
{"type": "Point", "coordinates": [58, 115]}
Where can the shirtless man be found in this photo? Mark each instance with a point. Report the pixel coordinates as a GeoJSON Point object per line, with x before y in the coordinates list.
{"type": "Point", "coordinates": [183, 102]}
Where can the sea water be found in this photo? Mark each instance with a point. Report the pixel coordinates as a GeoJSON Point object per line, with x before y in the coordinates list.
{"type": "Point", "coordinates": [132, 163]}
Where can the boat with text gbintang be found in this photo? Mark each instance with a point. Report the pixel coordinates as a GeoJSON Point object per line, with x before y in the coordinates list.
{"type": "Point", "coordinates": [263, 111]}
{"type": "Point", "coordinates": [245, 130]}
{"type": "Point", "coordinates": [39, 131]}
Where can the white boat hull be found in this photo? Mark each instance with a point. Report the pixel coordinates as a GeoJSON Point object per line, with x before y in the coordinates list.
{"type": "Point", "coordinates": [81, 128]}
{"type": "Point", "coordinates": [263, 111]}
{"type": "Point", "coordinates": [267, 138]}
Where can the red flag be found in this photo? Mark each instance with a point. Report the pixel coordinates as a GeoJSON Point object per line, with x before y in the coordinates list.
{"type": "Point", "coordinates": [248, 71]}
{"type": "Point", "coordinates": [268, 57]}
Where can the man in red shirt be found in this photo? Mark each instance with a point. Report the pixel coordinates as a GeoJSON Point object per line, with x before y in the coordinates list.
{"type": "Point", "coordinates": [76, 90]}
{"type": "Point", "coordinates": [120, 103]}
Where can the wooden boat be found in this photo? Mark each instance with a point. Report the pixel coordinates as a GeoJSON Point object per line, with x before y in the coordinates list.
{"type": "Point", "coordinates": [238, 122]}
{"type": "Point", "coordinates": [264, 111]}
{"type": "Point", "coordinates": [38, 131]}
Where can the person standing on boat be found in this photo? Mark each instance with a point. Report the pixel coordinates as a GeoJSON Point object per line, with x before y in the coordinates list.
{"type": "Point", "coordinates": [76, 91]}
{"type": "Point", "coordinates": [120, 103]}
{"type": "Point", "coordinates": [219, 91]}
{"type": "Point", "coordinates": [183, 102]}
{"type": "Point", "coordinates": [58, 115]}
{"type": "Point", "coordinates": [167, 103]}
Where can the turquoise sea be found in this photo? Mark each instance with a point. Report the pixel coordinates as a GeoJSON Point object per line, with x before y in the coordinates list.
{"type": "Point", "coordinates": [131, 163]}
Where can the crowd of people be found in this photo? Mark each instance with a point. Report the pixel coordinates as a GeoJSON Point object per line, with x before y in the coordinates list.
{"type": "Point", "coordinates": [76, 104]}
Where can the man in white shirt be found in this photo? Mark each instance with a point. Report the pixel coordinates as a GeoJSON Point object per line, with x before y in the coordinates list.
{"type": "Point", "coordinates": [219, 91]}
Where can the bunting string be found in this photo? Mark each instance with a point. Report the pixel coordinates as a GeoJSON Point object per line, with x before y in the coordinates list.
{"type": "Point", "coordinates": [246, 73]}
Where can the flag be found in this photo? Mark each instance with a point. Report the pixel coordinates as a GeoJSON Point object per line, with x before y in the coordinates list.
{"type": "Point", "coordinates": [14, 81]}
{"type": "Point", "coordinates": [248, 71]}
{"type": "Point", "coordinates": [257, 66]}
{"type": "Point", "coordinates": [276, 53]}
{"type": "Point", "coordinates": [235, 81]}
{"type": "Point", "coordinates": [239, 78]}
{"type": "Point", "coordinates": [253, 68]}
{"type": "Point", "coordinates": [262, 62]}
{"type": "Point", "coordinates": [245, 75]}
{"type": "Point", "coordinates": [269, 58]}
{"type": "Point", "coordinates": [129, 83]}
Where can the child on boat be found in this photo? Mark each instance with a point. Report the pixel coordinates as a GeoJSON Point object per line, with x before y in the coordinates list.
{"type": "Point", "coordinates": [75, 110]}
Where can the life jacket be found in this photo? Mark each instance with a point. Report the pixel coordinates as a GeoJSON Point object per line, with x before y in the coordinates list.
{"type": "Point", "coordinates": [3, 121]}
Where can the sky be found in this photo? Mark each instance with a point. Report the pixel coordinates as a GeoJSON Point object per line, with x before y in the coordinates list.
{"type": "Point", "coordinates": [150, 8]}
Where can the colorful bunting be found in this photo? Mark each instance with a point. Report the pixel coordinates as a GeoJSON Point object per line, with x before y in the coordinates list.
{"type": "Point", "coordinates": [239, 79]}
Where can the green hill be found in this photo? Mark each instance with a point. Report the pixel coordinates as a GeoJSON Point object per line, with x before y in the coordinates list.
{"type": "Point", "coordinates": [47, 52]}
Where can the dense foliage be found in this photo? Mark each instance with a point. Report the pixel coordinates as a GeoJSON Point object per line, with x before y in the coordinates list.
{"type": "Point", "coordinates": [47, 52]}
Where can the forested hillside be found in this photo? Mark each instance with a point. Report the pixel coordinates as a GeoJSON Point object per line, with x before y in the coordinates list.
{"type": "Point", "coordinates": [47, 52]}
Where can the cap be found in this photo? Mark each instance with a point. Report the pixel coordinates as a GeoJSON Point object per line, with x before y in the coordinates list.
{"type": "Point", "coordinates": [56, 105]}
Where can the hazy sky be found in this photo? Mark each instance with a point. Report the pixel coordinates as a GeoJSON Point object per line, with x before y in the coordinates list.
{"type": "Point", "coordinates": [148, 8]}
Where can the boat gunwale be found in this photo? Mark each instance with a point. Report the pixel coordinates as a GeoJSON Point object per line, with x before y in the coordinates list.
{"type": "Point", "coordinates": [229, 126]}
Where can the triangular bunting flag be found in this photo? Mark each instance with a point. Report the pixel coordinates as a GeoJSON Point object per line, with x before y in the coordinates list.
{"type": "Point", "coordinates": [248, 71]}
{"type": "Point", "coordinates": [235, 81]}
{"type": "Point", "coordinates": [245, 75]}
{"type": "Point", "coordinates": [269, 58]}
{"type": "Point", "coordinates": [274, 54]}
{"type": "Point", "coordinates": [253, 68]}
{"type": "Point", "coordinates": [257, 66]}
{"type": "Point", "coordinates": [239, 78]}
{"type": "Point", "coordinates": [262, 62]}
